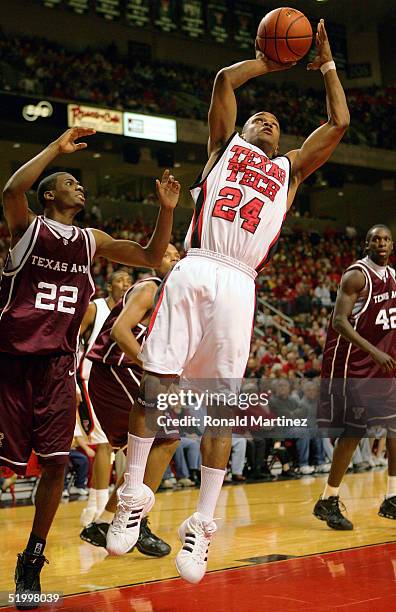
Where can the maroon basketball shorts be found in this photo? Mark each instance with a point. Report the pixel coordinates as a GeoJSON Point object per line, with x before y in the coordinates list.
{"type": "Point", "coordinates": [113, 391]}
{"type": "Point", "coordinates": [37, 408]}
{"type": "Point", "coordinates": [354, 406]}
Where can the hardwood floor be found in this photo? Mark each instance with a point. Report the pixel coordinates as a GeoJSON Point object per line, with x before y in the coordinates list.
{"type": "Point", "coordinates": [254, 521]}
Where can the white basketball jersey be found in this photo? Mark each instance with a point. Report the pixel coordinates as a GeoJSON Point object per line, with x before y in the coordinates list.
{"type": "Point", "coordinates": [241, 204]}
{"type": "Point", "coordinates": [102, 312]}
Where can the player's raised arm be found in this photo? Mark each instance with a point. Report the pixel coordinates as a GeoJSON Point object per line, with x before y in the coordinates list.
{"type": "Point", "coordinates": [15, 204]}
{"type": "Point", "coordinates": [318, 147]}
{"type": "Point", "coordinates": [140, 301]}
{"type": "Point", "coordinates": [351, 285]}
{"type": "Point", "coordinates": [131, 253]}
{"type": "Point", "coordinates": [223, 107]}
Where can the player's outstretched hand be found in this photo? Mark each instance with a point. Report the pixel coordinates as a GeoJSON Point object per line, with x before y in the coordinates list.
{"type": "Point", "coordinates": [168, 190]}
{"type": "Point", "coordinates": [385, 361]}
{"type": "Point", "coordinates": [66, 143]}
{"type": "Point", "coordinates": [269, 65]}
{"type": "Point", "coordinates": [323, 51]}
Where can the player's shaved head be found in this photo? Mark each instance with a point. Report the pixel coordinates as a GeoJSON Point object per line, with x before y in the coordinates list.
{"type": "Point", "coordinates": [262, 130]}
{"type": "Point", "coordinates": [264, 115]}
{"type": "Point", "coordinates": [47, 184]}
{"type": "Point", "coordinates": [375, 227]}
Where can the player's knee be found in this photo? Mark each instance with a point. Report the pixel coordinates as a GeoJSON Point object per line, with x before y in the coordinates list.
{"type": "Point", "coordinates": [53, 471]}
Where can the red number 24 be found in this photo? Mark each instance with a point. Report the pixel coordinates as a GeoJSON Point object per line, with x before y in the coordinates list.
{"type": "Point", "coordinates": [249, 212]}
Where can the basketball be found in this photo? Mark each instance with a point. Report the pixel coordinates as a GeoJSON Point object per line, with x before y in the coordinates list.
{"type": "Point", "coordinates": [284, 35]}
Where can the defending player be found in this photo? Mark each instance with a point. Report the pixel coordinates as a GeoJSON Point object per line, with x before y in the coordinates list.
{"type": "Point", "coordinates": [358, 371]}
{"type": "Point", "coordinates": [45, 289]}
{"type": "Point", "coordinates": [113, 388]}
{"type": "Point", "coordinates": [202, 325]}
{"type": "Point", "coordinates": [97, 313]}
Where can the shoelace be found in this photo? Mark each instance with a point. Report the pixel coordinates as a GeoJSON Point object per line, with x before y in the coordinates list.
{"type": "Point", "coordinates": [200, 542]}
{"type": "Point", "coordinates": [340, 505]}
{"type": "Point", "coordinates": [122, 516]}
{"type": "Point", "coordinates": [31, 571]}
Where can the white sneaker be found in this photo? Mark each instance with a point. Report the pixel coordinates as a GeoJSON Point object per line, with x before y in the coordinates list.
{"type": "Point", "coordinates": [167, 484]}
{"type": "Point", "coordinates": [307, 469]}
{"type": "Point", "coordinates": [186, 482]}
{"type": "Point", "coordinates": [381, 461]}
{"type": "Point", "coordinates": [323, 468]}
{"type": "Point", "coordinates": [79, 491]}
{"type": "Point", "coordinates": [195, 535]}
{"type": "Point", "coordinates": [124, 530]}
{"type": "Point", "coordinates": [87, 516]}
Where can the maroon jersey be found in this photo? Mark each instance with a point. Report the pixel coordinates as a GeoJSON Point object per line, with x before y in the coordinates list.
{"type": "Point", "coordinates": [106, 350]}
{"type": "Point", "coordinates": [45, 293]}
{"type": "Point", "coordinates": [374, 318]}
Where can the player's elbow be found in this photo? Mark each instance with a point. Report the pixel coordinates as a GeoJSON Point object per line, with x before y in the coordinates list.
{"type": "Point", "coordinates": [222, 79]}
{"type": "Point", "coordinates": [341, 121]}
{"type": "Point", "coordinates": [152, 259]}
{"type": "Point", "coordinates": [9, 191]}
{"type": "Point", "coordinates": [115, 332]}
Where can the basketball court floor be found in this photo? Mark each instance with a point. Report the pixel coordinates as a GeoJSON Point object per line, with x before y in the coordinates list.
{"type": "Point", "coordinates": [270, 553]}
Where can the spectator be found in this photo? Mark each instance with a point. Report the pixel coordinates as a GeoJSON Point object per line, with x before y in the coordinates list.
{"type": "Point", "coordinates": [79, 464]}
{"type": "Point", "coordinates": [310, 442]}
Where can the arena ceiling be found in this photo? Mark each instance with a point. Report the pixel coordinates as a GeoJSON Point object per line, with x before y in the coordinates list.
{"type": "Point", "coordinates": [353, 13]}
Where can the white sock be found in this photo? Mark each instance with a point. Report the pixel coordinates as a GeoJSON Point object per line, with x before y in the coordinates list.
{"type": "Point", "coordinates": [105, 517]}
{"type": "Point", "coordinates": [391, 492]}
{"type": "Point", "coordinates": [102, 495]}
{"type": "Point", "coordinates": [138, 451]}
{"type": "Point", "coordinates": [330, 491]}
{"type": "Point", "coordinates": [211, 483]}
{"type": "Point", "coordinates": [91, 504]}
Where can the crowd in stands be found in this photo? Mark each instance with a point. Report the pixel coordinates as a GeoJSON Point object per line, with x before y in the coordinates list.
{"type": "Point", "coordinates": [39, 67]}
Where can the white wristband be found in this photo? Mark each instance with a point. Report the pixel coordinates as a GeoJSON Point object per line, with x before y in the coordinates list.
{"type": "Point", "coordinates": [327, 66]}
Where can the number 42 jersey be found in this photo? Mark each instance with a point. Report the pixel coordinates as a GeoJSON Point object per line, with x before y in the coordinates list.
{"type": "Point", "coordinates": [374, 318]}
{"type": "Point", "coordinates": [45, 289]}
{"type": "Point", "coordinates": [241, 204]}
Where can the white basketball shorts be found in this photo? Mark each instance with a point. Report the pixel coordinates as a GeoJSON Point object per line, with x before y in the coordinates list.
{"type": "Point", "coordinates": [202, 324]}
{"type": "Point", "coordinates": [97, 435]}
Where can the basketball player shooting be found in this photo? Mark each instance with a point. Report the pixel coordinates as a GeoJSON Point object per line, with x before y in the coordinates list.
{"type": "Point", "coordinates": [358, 389]}
{"type": "Point", "coordinates": [45, 289]}
{"type": "Point", "coordinates": [202, 325]}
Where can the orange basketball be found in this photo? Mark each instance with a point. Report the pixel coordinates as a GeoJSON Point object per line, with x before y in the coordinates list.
{"type": "Point", "coordinates": [284, 35]}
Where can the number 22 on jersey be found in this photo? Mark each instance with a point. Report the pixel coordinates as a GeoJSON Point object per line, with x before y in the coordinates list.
{"type": "Point", "coordinates": [50, 299]}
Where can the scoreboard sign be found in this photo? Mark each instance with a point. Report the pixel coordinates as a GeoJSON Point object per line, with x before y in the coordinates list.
{"type": "Point", "coordinates": [150, 128]}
